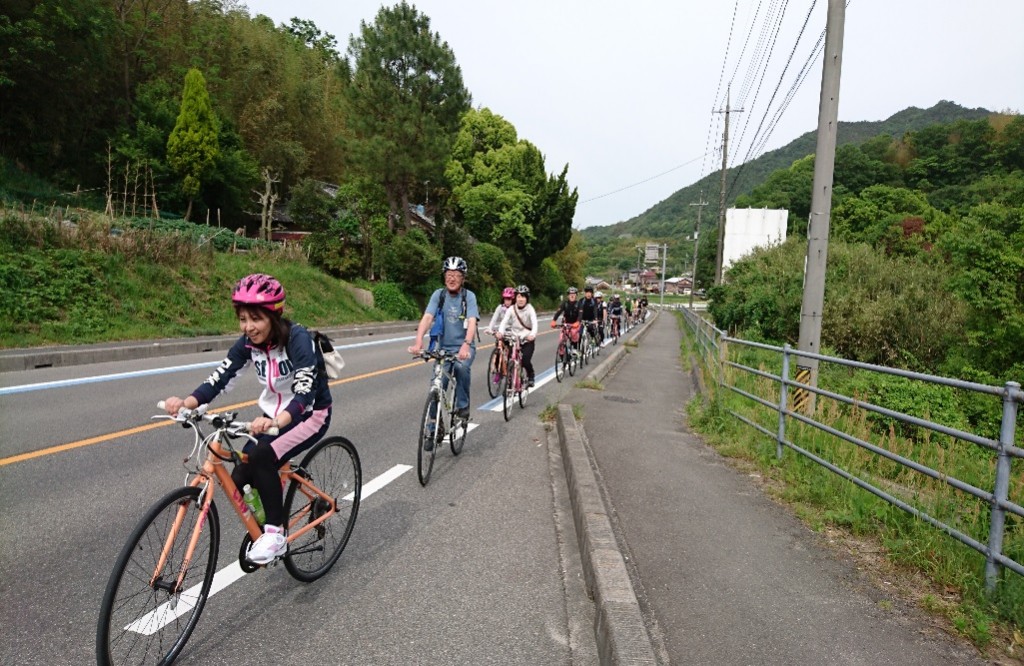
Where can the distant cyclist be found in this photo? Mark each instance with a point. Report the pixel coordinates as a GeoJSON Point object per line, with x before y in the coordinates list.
{"type": "Point", "coordinates": [588, 311]}
{"type": "Point", "coordinates": [615, 315]}
{"type": "Point", "coordinates": [570, 313]}
{"type": "Point", "coordinates": [508, 295]}
{"type": "Point", "coordinates": [451, 318]}
{"type": "Point", "coordinates": [295, 399]}
{"type": "Point", "coordinates": [521, 321]}
{"type": "Point", "coordinates": [602, 315]}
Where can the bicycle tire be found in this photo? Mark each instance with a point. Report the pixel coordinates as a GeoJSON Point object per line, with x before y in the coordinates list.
{"type": "Point", "coordinates": [332, 465]}
{"type": "Point", "coordinates": [507, 397]}
{"type": "Point", "coordinates": [424, 458]}
{"type": "Point", "coordinates": [131, 605]}
{"type": "Point", "coordinates": [523, 394]}
{"type": "Point", "coordinates": [457, 439]}
{"type": "Point", "coordinates": [572, 364]}
{"type": "Point", "coordinates": [560, 363]}
{"type": "Point", "coordinates": [493, 372]}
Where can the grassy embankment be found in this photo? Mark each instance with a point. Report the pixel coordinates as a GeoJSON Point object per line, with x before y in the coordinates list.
{"type": "Point", "coordinates": [73, 277]}
{"type": "Point", "coordinates": [934, 570]}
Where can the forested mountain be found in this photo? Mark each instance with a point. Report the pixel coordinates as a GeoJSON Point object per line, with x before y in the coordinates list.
{"type": "Point", "coordinates": [673, 219]}
{"type": "Point", "coordinates": [166, 108]}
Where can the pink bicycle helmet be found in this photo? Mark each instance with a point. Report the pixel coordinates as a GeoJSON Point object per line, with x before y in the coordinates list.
{"type": "Point", "coordinates": [259, 289]}
{"type": "Point", "coordinates": [509, 292]}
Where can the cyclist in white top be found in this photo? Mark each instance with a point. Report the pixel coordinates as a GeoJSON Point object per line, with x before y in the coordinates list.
{"type": "Point", "coordinates": [521, 321]}
{"type": "Point", "coordinates": [507, 296]}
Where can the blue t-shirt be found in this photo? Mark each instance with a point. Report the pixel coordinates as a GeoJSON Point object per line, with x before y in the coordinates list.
{"type": "Point", "coordinates": [454, 332]}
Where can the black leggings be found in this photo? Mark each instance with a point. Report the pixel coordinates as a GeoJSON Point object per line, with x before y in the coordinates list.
{"type": "Point", "coordinates": [527, 349]}
{"type": "Point", "coordinates": [261, 473]}
{"type": "Point", "coordinates": [261, 470]}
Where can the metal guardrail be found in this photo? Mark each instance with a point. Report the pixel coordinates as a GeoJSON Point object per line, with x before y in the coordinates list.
{"type": "Point", "coordinates": [713, 345]}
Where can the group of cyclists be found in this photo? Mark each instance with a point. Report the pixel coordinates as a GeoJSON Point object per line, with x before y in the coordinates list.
{"type": "Point", "coordinates": [296, 401]}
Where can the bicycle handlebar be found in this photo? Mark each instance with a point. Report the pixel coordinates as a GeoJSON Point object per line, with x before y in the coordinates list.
{"type": "Point", "coordinates": [438, 355]}
{"type": "Point", "coordinates": [219, 421]}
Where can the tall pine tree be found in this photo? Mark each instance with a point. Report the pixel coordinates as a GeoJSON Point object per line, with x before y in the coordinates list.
{"type": "Point", "coordinates": [192, 147]}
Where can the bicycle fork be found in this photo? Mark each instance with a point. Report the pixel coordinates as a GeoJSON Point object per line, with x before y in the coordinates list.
{"type": "Point", "coordinates": [157, 581]}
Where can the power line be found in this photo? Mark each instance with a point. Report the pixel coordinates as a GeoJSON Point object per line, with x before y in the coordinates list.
{"type": "Point", "coordinates": [646, 180]}
{"type": "Point", "coordinates": [718, 88]}
{"type": "Point", "coordinates": [782, 76]}
{"type": "Point", "coordinates": [767, 61]}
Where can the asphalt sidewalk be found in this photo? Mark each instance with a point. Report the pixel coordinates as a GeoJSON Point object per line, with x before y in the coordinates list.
{"type": "Point", "coordinates": [687, 561]}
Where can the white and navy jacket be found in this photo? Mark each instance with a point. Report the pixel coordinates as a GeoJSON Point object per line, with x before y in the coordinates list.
{"type": "Point", "coordinates": [288, 375]}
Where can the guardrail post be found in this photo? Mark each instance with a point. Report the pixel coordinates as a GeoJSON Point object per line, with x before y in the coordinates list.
{"type": "Point", "coordinates": [997, 520]}
{"type": "Point", "coordinates": [723, 356]}
{"type": "Point", "coordinates": [783, 396]}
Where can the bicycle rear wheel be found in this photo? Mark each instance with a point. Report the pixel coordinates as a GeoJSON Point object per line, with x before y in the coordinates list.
{"type": "Point", "coordinates": [429, 427]}
{"type": "Point", "coordinates": [509, 394]}
{"type": "Point", "coordinates": [457, 437]}
{"type": "Point", "coordinates": [332, 465]}
{"type": "Point", "coordinates": [146, 615]}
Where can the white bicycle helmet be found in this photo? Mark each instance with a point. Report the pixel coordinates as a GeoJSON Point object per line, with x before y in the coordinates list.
{"type": "Point", "coordinates": [454, 264]}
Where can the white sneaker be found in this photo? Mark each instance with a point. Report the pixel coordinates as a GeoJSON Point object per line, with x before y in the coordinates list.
{"type": "Point", "coordinates": [271, 545]}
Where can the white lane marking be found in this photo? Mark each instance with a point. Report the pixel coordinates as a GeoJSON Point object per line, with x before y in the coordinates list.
{"type": "Point", "coordinates": [160, 617]}
{"type": "Point", "coordinates": [543, 378]}
{"type": "Point", "coordinates": [62, 383]}
{"type": "Point", "coordinates": [381, 481]}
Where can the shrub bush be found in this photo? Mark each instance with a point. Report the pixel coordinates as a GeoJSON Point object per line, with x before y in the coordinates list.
{"type": "Point", "coordinates": [388, 296]}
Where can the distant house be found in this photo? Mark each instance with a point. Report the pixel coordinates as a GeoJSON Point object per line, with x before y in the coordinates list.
{"type": "Point", "coordinates": [678, 285]}
{"type": "Point", "coordinates": [419, 219]}
{"type": "Point", "coordinates": [596, 283]}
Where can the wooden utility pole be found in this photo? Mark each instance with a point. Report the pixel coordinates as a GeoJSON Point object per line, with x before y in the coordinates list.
{"type": "Point", "coordinates": [821, 204]}
{"type": "Point", "coordinates": [721, 196]}
{"type": "Point", "coordinates": [696, 241]}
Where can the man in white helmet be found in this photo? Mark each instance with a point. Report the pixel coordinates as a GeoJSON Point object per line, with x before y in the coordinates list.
{"type": "Point", "coordinates": [451, 317]}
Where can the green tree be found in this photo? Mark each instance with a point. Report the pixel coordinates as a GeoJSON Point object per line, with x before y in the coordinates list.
{"type": "Point", "coordinates": [192, 147]}
{"type": "Point", "coordinates": [551, 218]}
{"type": "Point", "coordinates": [405, 98]}
{"type": "Point", "coordinates": [501, 193]}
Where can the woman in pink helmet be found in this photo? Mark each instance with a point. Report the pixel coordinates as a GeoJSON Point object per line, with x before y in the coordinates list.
{"type": "Point", "coordinates": [507, 296]}
{"type": "Point", "coordinates": [296, 399]}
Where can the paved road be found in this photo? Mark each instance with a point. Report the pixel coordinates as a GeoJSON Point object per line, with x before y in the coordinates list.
{"type": "Point", "coordinates": [466, 570]}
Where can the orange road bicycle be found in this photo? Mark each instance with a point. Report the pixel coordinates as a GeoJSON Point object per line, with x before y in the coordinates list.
{"type": "Point", "coordinates": [515, 382]}
{"type": "Point", "coordinates": [163, 576]}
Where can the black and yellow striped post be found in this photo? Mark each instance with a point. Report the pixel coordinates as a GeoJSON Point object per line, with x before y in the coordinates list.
{"type": "Point", "coordinates": [801, 396]}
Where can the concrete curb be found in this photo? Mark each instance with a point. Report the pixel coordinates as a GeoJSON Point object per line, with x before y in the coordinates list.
{"type": "Point", "coordinates": [602, 369]}
{"type": "Point", "coordinates": [619, 626]}
{"type": "Point", "coordinates": [13, 360]}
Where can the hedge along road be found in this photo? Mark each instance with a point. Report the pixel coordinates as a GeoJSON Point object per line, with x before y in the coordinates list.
{"type": "Point", "coordinates": [466, 570]}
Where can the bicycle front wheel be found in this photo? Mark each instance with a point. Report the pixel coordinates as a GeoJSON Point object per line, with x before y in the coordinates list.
{"type": "Point", "coordinates": [560, 363]}
{"type": "Point", "coordinates": [494, 376]}
{"type": "Point", "coordinates": [509, 394]}
{"type": "Point", "coordinates": [153, 600]}
{"type": "Point", "coordinates": [332, 465]}
{"type": "Point", "coordinates": [429, 439]}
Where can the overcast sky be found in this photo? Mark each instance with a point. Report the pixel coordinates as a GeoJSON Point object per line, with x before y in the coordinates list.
{"type": "Point", "coordinates": [623, 92]}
